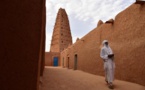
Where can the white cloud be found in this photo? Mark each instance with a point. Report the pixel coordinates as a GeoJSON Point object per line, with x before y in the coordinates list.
{"type": "Point", "coordinates": [48, 41]}
{"type": "Point", "coordinates": [83, 14]}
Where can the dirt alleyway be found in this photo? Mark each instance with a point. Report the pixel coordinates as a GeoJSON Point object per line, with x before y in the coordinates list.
{"type": "Point", "coordinates": [58, 78]}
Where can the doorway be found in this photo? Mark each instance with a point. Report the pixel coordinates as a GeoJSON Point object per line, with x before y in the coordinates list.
{"type": "Point", "coordinates": [68, 62]}
{"type": "Point", "coordinates": [75, 61]}
{"type": "Point", "coordinates": [63, 62]}
{"type": "Point", "coordinates": [55, 61]}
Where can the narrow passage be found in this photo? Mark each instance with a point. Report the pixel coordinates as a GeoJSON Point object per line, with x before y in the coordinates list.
{"type": "Point", "coordinates": [58, 78]}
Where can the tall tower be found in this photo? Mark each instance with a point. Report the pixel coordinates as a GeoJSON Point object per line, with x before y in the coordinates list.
{"type": "Point", "coordinates": [61, 37]}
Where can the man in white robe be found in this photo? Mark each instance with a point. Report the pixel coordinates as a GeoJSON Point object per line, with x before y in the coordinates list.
{"type": "Point", "coordinates": [109, 65]}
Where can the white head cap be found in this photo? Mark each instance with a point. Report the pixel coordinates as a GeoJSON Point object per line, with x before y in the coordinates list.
{"type": "Point", "coordinates": [104, 42]}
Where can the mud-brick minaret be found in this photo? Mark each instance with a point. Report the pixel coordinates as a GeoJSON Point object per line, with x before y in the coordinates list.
{"type": "Point", "coordinates": [61, 37]}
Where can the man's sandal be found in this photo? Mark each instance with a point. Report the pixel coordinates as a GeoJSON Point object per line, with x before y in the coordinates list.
{"type": "Point", "coordinates": [111, 86]}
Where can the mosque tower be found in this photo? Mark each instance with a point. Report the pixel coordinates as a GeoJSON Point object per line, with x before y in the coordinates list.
{"type": "Point", "coordinates": [61, 37]}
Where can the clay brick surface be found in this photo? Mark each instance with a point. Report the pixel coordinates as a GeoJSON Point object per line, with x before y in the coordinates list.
{"type": "Point", "coordinates": [61, 37]}
{"type": "Point", "coordinates": [110, 21]}
{"type": "Point", "coordinates": [21, 38]}
{"type": "Point", "coordinates": [42, 48]}
{"type": "Point", "coordinates": [126, 38]}
{"type": "Point", "coordinates": [99, 23]}
{"type": "Point", "coordinates": [49, 58]}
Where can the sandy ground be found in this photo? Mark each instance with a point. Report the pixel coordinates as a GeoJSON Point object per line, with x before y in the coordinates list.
{"type": "Point", "coordinates": [57, 78]}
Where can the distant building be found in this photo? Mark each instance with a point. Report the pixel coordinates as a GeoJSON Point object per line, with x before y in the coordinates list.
{"type": "Point", "coordinates": [61, 38]}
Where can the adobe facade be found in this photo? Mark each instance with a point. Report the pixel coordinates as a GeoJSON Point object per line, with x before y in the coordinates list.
{"type": "Point", "coordinates": [126, 36]}
{"type": "Point", "coordinates": [61, 38]}
{"type": "Point", "coordinates": [49, 58]}
{"type": "Point", "coordinates": [22, 48]}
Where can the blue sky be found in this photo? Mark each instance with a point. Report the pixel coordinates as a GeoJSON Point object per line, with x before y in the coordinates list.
{"type": "Point", "coordinates": [83, 15]}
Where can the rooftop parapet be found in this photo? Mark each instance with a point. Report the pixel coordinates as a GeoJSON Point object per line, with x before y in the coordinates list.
{"type": "Point", "coordinates": [110, 21]}
{"type": "Point", "coordinates": [100, 22]}
{"type": "Point", "coordinates": [140, 1]}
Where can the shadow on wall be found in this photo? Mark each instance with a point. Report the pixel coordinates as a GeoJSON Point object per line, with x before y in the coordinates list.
{"type": "Point", "coordinates": [22, 36]}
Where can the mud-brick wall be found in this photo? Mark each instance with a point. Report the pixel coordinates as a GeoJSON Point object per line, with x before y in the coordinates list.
{"type": "Point", "coordinates": [49, 56]}
{"type": "Point", "coordinates": [127, 39]}
{"type": "Point", "coordinates": [22, 34]}
{"type": "Point", "coordinates": [42, 46]}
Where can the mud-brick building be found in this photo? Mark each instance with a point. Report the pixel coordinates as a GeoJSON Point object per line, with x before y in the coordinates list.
{"type": "Point", "coordinates": [126, 36]}
{"type": "Point", "coordinates": [61, 39]}
{"type": "Point", "coordinates": [22, 44]}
